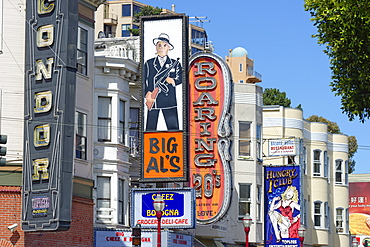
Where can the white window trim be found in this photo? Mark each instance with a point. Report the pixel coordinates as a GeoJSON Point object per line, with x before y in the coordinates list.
{"type": "Point", "coordinates": [320, 173]}
{"type": "Point", "coordinates": [340, 230]}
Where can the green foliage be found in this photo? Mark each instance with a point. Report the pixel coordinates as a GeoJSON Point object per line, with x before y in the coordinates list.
{"type": "Point", "coordinates": [147, 11]}
{"type": "Point", "coordinates": [334, 128]}
{"type": "Point", "coordinates": [273, 96]}
{"type": "Point", "coordinates": [344, 28]}
{"type": "Point", "coordinates": [352, 149]}
{"type": "Point", "coordinates": [134, 31]}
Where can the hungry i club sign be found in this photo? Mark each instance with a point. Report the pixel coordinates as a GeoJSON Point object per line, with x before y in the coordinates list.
{"type": "Point", "coordinates": [209, 132]}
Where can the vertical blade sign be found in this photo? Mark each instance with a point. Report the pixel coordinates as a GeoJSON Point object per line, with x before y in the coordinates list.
{"type": "Point", "coordinates": [209, 131]}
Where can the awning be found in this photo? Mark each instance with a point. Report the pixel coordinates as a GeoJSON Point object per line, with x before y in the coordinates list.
{"type": "Point", "coordinates": [202, 242]}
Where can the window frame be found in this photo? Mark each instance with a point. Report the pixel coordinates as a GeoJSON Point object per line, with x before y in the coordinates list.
{"type": "Point", "coordinates": [82, 50]}
{"type": "Point", "coordinates": [316, 163]}
{"type": "Point", "coordinates": [122, 122]}
{"type": "Point", "coordinates": [128, 14]}
{"type": "Point", "coordinates": [339, 219]}
{"type": "Point", "coordinates": [121, 207]}
{"type": "Point", "coordinates": [134, 126]}
{"type": "Point", "coordinates": [81, 136]}
{"type": "Point", "coordinates": [339, 172]}
{"type": "Point", "coordinates": [108, 119]}
{"type": "Point", "coordinates": [245, 139]}
{"type": "Point", "coordinates": [244, 200]}
{"type": "Point", "coordinates": [317, 216]}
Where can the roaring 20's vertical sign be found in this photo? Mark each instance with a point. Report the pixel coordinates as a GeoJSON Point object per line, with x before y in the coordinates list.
{"type": "Point", "coordinates": [50, 81]}
{"type": "Point", "coordinates": [164, 59]}
{"type": "Point", "coordinates": [282, 207]}
{"type": "Point", "coordinates": [209, 133]}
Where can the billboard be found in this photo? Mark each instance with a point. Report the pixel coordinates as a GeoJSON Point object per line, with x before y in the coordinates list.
{"type": "Point", "coordinates": [359, 208]}
{"type": "Point", "coordinates": [164, 59]}
{"type": "Point", "coordinates": [49, 98]}
{"type": "Point", "coordinates": [179, 212]}
{"type": "Point", "coordinates": [210, 90]}
{"type": "Point", "coordinates": [282, 206]}
{"type": "Point", "coordinates": [283, 147]}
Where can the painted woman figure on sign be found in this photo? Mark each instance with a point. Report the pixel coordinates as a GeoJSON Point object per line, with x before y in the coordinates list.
{"type": "Point", "coordinates": [284, 219]}
{"type": "Point", "coordinates": [162, 74]}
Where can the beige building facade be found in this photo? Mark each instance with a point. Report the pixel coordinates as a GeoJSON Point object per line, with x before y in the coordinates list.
{"type": "Point", "coordinates": [323, 161]}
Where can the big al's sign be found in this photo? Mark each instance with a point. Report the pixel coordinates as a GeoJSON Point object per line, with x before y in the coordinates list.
{"type": "Point", "coordinates": [50, 78]}
{"type": "Point", "coordinates": [209, 133]}
{"type": "Point", "coordinates": [164, 123]}
{"type": "Point", "coordinates": [282, 207]}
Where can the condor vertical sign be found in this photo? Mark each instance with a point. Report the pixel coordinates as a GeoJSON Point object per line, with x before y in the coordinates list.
{"type": "Point", "coordinates": [50, 78]}
{"type": "Point", "coordinates": [164, 57]}
{"type": "Point", "coordinates": [209, 136]}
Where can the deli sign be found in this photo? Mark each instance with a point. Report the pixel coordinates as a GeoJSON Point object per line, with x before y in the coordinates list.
{"type": "Point", "coordinates": [209, 136]}
{"type": "Point", "coordinates": [178, 211]}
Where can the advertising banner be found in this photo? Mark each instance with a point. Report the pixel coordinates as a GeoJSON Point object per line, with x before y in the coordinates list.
{"type": "Point", "coordinates": [283, 147]}
{"type": "Point", "coordinates": [359, 208]}
{"type": "Point", "coordinates": [282, 206]}
{"type": "Point", "coordinates": [164, 59]}
{"type": "Point", "coordinates": [210, 90]}
{"type": "Point", "coordinates": [178, 212]}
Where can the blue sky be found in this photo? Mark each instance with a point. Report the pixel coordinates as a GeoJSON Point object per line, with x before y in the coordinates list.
{"type": "Point", "coordinates": [277, 36]}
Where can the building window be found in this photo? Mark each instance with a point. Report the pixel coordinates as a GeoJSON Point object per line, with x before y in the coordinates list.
{"type": "Point", "coordinates": [316, 163]}
{"type": "Point", "coordinates": [103, 194]}
{"type": "Point", "coordinates": [136, 9]}
{"type": "Point", "coordinates": [240, 67]}
{"type": "Point", "coordinates": [327, 215]}
{"type": "Point", "coordinates": [346, 172]}
{"type": "Point", "coordinates": [198, 37]}
{"type": "Point", "coordinates": [258, 201]}
{"type": "Point", "coordinates": [81, 135]}
{"type": "Point", "coordinates": [339, 171]}
{"type": "Point", "coordinates": [326, 165]}
{"type": "Point", "coordinates": [244, 199]}
{"type": "Point", "coordinates": [134, 130]}
{"type": "Point", "coordinates": [126, 10]}
{"type": "Point", "coordinates": [339, 219]}
{"type": "Point", "coordinates": [82, 51]}
{"type": "Point", "coordinates": [244, 139]}
{"type": "Point", "coordinates": [347, 220]}
{"type": "Point", "coordinates": [259, 141]}
{"type": "Point", "coordinates": [121, 134]}
{"type": "Point", "coordinates": [304, 161]}
{"type": "Point", "coordinates": [104, 118]}
{"type": "Point", "coordinates": [125, 30]}
{"type": "Point", "coordinates": [305, 212]}
{"type": "Point", "coordinates": [241, 81]}
{"type": "Point", "coordinates": [121, 204]}
{"type": "Point", "coordinates": [317, 214]}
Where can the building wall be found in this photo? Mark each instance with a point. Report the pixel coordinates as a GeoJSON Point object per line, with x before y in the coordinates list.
{"type": "Point", "coordinates": [80, 234]}
{"type": "Point", "coordinates": [10, 208]}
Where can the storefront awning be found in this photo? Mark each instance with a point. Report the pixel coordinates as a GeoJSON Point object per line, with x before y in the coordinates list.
{"type": "Point", "coordinates": [207, 243]}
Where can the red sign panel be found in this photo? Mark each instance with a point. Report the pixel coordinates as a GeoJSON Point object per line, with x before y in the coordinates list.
{"type": "Point", "coordinates": [210, 92]}
{"type": "Point", "coordinates": [359, 208]}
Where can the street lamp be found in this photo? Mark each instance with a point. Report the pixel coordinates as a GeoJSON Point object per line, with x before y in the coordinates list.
{"type": "Point", "coordinates": [158, 204]}
{"type": "Point", "coordinates": [247, 222]}
{"type": "Point", "coordinates": [354, 242]}
{"type": "Point", "coordinates": [301, 233]}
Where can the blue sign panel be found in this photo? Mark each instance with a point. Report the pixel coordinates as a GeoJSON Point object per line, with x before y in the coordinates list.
{"type": "Point", "coordinates": [282, 207]}
{"type": "Point", "coordinates": [178, 211]}
{"type": "Point", "coordinates": [174, 204]}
